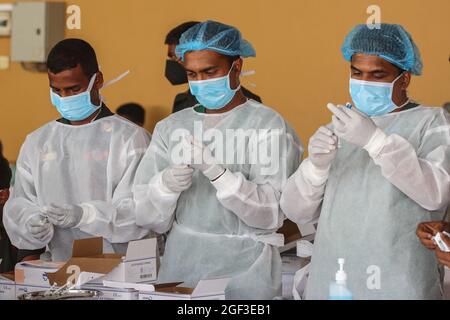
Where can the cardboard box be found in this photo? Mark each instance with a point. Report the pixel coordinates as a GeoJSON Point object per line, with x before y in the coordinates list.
{"type": "Point", "coordinates": [140, 264]}
{"type": "Point", "coordinates": [32, 276]}
{"type": "Point", "coordinates": [7, 287]}
{"type": "Point", "coordinates": [212, 289]}
{"type": "Point", "coordinates": [108, 293]}
{"type": "Point", "coordinates": [35, 272]}
{"type": "Point", "coordinates": [293, 232]}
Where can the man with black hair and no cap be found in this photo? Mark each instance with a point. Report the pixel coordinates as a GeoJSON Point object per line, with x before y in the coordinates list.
{"type": "Point", "coordinates": [176, 74]}
{"type": "Point", "coordinates": [133, 112]}
{"type": "Point", "coordinates": [74, 174]}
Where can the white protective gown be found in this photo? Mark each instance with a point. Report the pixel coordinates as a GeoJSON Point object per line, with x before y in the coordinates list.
{"type": "Point", "coordinates": [93, 166]}
{"type": "Point", "coordinates": [369, 207]}
{"type": "Point", "coordinates": [226, 228]}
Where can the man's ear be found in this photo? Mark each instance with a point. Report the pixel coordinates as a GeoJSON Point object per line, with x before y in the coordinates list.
{"type": "Point", "coordinates": [238, 65]}
{"type": "Point", "coordinates": [98, 83]}
{"type": "Point", "coordinates": [406, 79]}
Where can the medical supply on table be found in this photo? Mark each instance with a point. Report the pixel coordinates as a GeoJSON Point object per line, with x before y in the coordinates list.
{"type": "Point", "coordinates": [440, 242]}
{"type": "Point", "coordinates": [55, 294]}
{"type": "Point", "coordinates": [338, 289]}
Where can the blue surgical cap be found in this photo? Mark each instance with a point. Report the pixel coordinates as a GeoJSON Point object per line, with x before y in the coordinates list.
{"type": "Point", "coordinates": [391, 42]}
{"type": "Point", "coordinates": [214, 36]}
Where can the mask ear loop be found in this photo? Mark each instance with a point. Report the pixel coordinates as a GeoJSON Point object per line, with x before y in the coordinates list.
{"type": "Point", "coordinates": [91, 82]}
{"type": "Point", "coordinates": [89, 88]}
{"type": "Point", "coordinates": [120, 77]}
{"type": "Point", "coordinates": [393, 83]}
{"type": "Point", "coordinates": [229, 82]}
{"type": "Point", "coordinates": [110, 82]}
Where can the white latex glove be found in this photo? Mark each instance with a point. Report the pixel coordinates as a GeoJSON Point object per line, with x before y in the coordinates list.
{"type": "Point", "coordinates": [40, 228]}
{"type": "Point", "coordinates": [202, 159]}
{"type": "Point", "coordinates": [177, 178]}
{"type": "Point", "coordinates": [352, 125]}
{"type": "Point", "coordinates": [322, 148]}
{"type": "Point", "coordinates": [66, 216]}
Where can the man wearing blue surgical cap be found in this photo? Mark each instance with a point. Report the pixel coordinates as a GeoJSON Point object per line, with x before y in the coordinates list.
{"type": "Point", "coordinates": [377, 171]}
{"type": "Point", "coordinates": [221, 200]}
{"type": "Point", "coordinates": [176, 74]}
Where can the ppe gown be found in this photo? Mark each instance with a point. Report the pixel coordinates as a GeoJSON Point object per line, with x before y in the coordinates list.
{"type": "Point", "coordinates": [91, 165]}
{"type": "Point", "coordinates": [370, 206]}
{"type": "Point", "coordinates": [223, 232]}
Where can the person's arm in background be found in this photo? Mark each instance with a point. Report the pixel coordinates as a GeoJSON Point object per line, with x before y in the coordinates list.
{"type": "Point", "coordinates": [444, 257]}
{"type": "Point", "coordinates": [427, 230]}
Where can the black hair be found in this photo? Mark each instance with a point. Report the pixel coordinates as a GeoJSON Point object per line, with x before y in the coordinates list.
{"type": "Point", "coordinates": [5, 171]}
{"type": "Point", "coordinates": [134, 111]}
{"type": "Point", "coordinates": [174, 35]}
{"type": "Point", "coordinates": [69, 53]}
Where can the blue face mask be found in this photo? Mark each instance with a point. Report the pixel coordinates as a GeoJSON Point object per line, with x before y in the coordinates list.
{"type": "Point", "coordinates": [214, 93]}
{"type": "Point", "coordinates": [373, 98]}
{"type": "Point", "coordinates": [77, 107]}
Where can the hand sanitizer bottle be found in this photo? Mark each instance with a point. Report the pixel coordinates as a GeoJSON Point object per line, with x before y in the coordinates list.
{"type": "Point", "coordinates": [338, 289]}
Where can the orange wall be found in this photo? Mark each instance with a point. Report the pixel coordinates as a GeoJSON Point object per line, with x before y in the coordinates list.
{"type": "Point", "coordinates": [299, 67]}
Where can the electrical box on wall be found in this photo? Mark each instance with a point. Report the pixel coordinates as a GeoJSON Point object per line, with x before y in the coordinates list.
{"type": "Point", "coordinates": [36, 28]}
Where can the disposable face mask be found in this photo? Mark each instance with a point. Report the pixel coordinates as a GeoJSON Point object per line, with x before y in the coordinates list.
{"type": "Point", "coordinates": [175, 73]}
{"type": "Point", "coordinates": [214, 93]}
{"type": "Point", "coordinates": [79, 107]}
{"type": "Point", "coordinates": [373, 98]}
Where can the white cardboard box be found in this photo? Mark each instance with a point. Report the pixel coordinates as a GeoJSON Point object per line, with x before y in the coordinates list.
{"type": "Point", "coordinates": [140, 264]}
{"type": "Point", "coordinates": [7, 289]}
{"type": "Point", "coordinates": [211, 289]}
{"type": "Point", "coordinates": [108, 293]}
{"type": "Point", "coordinates": [35, 272]}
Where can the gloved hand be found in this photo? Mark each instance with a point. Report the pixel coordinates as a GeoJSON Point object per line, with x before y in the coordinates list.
{"type": "Point", "coordinates": [40, 228]}
{"type": "Point", "coordinates": [352, 125]}
{"type": "Point", "coordinates": [66, 216]}
{"type": "Point", "coordinates": [322, 148]}
{"type": "Point", "coordinates": [202, 158]}
{"type": "Point", "coordinates": [177, 178]}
